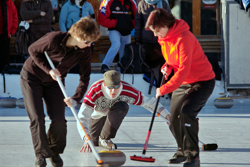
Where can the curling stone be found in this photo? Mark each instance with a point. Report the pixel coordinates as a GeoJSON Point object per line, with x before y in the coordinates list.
{"type": "Point", "coordinates": [223, 102]}
{"type": "Point", "coordinates": [113, 158]}
{"type": "Point", "coordinates": [8, 102]}
{"type": "Point", "coordinates": [20, 103]}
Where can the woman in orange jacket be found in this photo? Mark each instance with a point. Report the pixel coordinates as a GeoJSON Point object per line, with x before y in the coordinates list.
{"type": "Point", "coordinates": [192, 84]}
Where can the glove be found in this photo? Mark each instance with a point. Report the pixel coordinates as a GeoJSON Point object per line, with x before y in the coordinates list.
{"type": "Point", "coordinates": [73, 102]}
{"type": "Point", "coordinates": [158, 93]}
{"type": "Point", "coordinates": [70, 102]}
{"type": "Point", "coordinates": [164, 71]}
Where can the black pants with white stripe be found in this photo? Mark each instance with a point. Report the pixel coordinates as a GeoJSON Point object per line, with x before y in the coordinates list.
{"type": "Point", "coordinates": [186, 103]}
{"type": "Point", "coordinates": [106, 127]}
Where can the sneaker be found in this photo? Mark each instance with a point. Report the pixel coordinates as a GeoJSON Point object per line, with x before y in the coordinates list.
{"type": "Point", "coordinates": [108, 144]}
{"type": "Point", "coordinates": [176, 159]}
{"type": "Point", "coordinates": [105, 68]}
{"type": "Point", "coordinates": [192, 162]}
{"type": "Point", "coordinates": [56, 160]}
{"type": "Point", "coordinates": [40, 162]}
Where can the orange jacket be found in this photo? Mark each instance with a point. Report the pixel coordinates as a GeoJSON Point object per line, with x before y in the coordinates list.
{"type": "Point", "coordinates": [184, 55]}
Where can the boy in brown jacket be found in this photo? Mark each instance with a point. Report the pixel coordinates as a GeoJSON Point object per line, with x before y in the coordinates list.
{"type": "Point", "coordinates": [38, 84]}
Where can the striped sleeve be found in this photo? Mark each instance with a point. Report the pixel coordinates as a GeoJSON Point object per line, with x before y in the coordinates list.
{"type": "Point", "coordinates": [94, 92]}
{"type": "Point", "coordinates": [130, 91]}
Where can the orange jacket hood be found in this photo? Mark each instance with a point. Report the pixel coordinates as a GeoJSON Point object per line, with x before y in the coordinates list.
{"type": "Point", "coordinates": [179, 27]}
{"type": "Point", "coordinates": [184, 55]}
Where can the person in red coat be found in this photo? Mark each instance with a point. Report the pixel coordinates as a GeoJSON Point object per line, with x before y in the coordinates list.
{"type": "Point", "coordinates": [119, 17]}
{"type": "Point", "coordinates": [8, 27]}
{"type": "Point", "coordinates": [192, 84]}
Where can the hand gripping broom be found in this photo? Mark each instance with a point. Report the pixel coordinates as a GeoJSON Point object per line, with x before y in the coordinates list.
{"type": "Point", "coordinates": [97, 156]}
{"type": "Point", "coordinates": [143, 158]}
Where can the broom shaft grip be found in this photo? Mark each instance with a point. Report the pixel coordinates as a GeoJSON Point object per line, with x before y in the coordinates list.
{"type": "Point", "coordinates": [152, 121]}
{"type": "Point", "coordinates": [74, 111]}
{"type": "Point", "coordinates": [153, 117]}
{"type": "Point", "coordinates": [156, 106]}
{"type": "Point", "coordinates": [150, 128]}
{"type": "Point", "coordinates": [146, 143]}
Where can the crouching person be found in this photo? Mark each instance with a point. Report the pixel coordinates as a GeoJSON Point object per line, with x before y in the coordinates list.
{"type": "Point", "coordinates": [105, 106]}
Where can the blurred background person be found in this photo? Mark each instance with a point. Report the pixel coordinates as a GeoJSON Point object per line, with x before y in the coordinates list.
{"type": "Point", "coordinates": [8, 27]}
{"type": "Point", "coordinates": [71, 12]}
{"type": "Point", "coordinates": [151, 49]}
{"type": "Point", "coordinates": [119, 17]}
{"type": "Point", "coordinates": [39, 14]}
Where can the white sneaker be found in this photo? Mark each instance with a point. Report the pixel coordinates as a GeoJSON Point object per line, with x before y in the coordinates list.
{"type": "Point", "coordinates": [108, 144]}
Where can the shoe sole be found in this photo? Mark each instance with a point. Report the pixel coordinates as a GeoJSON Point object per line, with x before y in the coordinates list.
{"type": "Point", "coordinates": [108, 148]}
{"type": "Point", "coordinates": [178, 162]}
{"type": "Point", "coordinates": [190, 164]}
{"type": "Point", "coordinates": [55, 164]}
{"type": "Point", "coordinates": [42, 165]}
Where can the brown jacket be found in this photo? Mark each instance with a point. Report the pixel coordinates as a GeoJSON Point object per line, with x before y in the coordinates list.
{"type": "Point", "coordinates": [31, 10]}
{"type": "Point", "coordinates": [54, 43]}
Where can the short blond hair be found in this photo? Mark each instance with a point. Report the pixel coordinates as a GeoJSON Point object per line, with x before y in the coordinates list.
{"type": "Point", "coordinates": [86, 29]}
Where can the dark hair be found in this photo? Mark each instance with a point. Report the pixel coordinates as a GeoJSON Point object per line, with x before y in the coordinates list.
{"type": "Point", "coordinates": [159, 18]}
{"type": "Point", "coordinates": [81, 3]}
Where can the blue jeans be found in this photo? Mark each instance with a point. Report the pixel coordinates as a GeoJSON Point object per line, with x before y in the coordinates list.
{"type": "Point", "coordinates": [118, 43]}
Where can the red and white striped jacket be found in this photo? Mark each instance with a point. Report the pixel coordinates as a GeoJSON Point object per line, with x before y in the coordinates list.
{"type": "Point", "coordinates": [97, 102]}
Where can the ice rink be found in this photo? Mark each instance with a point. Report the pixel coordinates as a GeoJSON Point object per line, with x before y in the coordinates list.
{"type": "Point", "coordinates": [229, 128]}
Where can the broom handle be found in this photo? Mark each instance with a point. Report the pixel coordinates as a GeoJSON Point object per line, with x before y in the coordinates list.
{"type": "Point", "coordinates": [152, 121]}
{"type": "Point", "coordinates": [97, 156]}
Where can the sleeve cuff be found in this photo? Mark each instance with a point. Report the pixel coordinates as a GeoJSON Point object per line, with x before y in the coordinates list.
{"type": "Point", "coordinates": [163, 112]}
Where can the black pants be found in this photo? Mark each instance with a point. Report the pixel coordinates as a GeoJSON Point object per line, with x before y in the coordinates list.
{"type": "Point", "coordinates": [186, 103]}
{"type": "Point", "coordinates": [4, 51]}
{"type": "Point", "coordinates": [34, 93]}
{"type": "Point", "coordinates": [106, 127]}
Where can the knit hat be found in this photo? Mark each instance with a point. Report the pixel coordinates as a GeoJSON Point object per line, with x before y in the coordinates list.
{"type": "Point", "coordinates": [112, 78]}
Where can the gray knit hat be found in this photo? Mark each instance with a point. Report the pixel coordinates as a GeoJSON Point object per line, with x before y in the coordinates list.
{"type": "Point", "coordinates": [112, 78]}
